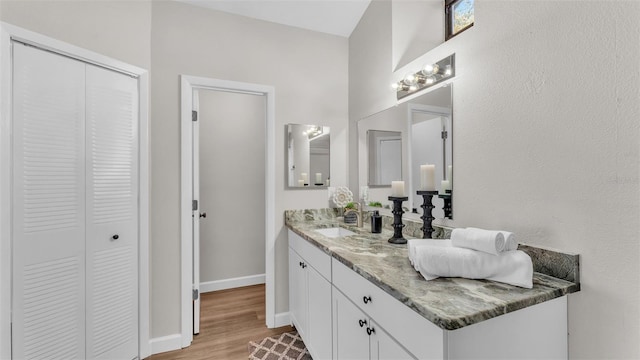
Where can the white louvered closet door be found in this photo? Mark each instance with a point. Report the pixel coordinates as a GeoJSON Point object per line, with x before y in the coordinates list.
{"type": "Point", "coordinates": [75, 209]}
{"type": "Point", "coordinates": [48, 307]}
{"type": "Point", "coordinates": [112, 215]}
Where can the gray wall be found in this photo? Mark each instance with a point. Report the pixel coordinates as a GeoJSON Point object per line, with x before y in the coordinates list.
{"type": "Point", "coordinates": [232, 172]}
{"type": "Point", "coordinates": [309, 73]}
{"type": "Point", "coordinates": [546, 109]}
{"type": "Point", "coordinates": [199, 42]}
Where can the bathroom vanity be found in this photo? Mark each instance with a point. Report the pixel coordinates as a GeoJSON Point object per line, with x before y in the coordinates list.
{"type": "Point", "coordinates": [357, 297]}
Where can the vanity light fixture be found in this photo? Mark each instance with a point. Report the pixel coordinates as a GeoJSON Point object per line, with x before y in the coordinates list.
{"type": "Point", "coordinates": [429, 75]}
{"type": "Point", "coordinates": [313, 131]}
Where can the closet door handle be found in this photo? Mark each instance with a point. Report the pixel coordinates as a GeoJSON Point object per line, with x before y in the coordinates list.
{"type": "Point", "coordinates": [362, 322]}
{"type": "Point", "coordinates": [366, 299]}
{"type": "Point", "coordinates": [203, 215]}
{"type": "Point", "coordinates": [115, 237]}
{"type": "Point", "coordinates": [370, 331]}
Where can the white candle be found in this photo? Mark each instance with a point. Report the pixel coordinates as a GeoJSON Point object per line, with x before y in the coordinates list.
{"type": "Point", "coordinates": [300, 182]}
{"type": "Point", "coordinates": [304, 178]}
{"type": "Point", "coordinates": [428, 177]}
{"type": "Point", "coordinates": [444, 185]}
{"type": "Point", "coordinates": [450, 173]}
{"type": "Point", "coordinates": [397, 188]}
{"type": "Point", "coordinates": [318, 178]}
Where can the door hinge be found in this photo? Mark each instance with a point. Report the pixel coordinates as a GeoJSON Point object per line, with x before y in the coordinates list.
{"type": "Point", "coordinates": [194, 115]}
{"type": "Point", "coordinates": [444, 134]}
{"type": "Point", "coordinates": [194, 205]}
{"type": "Point", "coordinates": [195, 294]}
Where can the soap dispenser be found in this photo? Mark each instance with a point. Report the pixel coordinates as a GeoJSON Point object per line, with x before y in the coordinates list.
{"type": "Point", "coordinates": [376, 222]}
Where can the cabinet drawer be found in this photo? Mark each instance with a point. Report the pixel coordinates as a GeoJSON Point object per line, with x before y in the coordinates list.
{"type": "Point", "coordinates": [311, 254]}
{"type": "Point", "coordinates": [415, 333]}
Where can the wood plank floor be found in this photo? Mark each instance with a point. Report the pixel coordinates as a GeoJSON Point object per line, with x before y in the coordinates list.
{"type": "Point", "coordinates": [229, 320]}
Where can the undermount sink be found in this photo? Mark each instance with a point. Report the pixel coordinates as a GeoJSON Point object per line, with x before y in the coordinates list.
{"type": "Point", "coordinates": [335, 232]}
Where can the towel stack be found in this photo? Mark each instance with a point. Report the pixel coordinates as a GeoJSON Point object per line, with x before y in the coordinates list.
{"type": "Point", "coordinates": [474, 254]}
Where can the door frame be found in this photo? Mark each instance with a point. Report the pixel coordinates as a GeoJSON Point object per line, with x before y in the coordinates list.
{"type": "Point", "coordinates": [7, 34]}
{"type": "Point", "coordinates": [188, 84]}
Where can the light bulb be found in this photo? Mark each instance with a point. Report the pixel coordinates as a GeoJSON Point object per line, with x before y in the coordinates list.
{"type": "Point", "coordinates": [413, 88]}
{"type": "Point", "coordinates": [431, 80]}
{"type": "Point", "coordinates": [395, 86]}
{"type": "Point", "coordinates": [430, 69]}
{"type": "Point", "coordinates": [410, 79]}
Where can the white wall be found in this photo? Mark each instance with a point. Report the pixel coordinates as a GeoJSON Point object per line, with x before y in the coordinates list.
{"type": "Point", "coordinates": [309, 73]}
{"type": "Point", "coordinates": [546, 109]}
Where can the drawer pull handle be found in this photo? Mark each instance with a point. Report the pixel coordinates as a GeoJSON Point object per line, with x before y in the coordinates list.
{"type": "Point", "coordinates": [115, 237]}
{"type": "Point", "coordinates": [370, 331]}
{"type": "Point", "coordinates": [362, 322]}
{"type": "Point", "coordinates": [300, 263]}
{"type": "Point", "coordinates": [366, 299]}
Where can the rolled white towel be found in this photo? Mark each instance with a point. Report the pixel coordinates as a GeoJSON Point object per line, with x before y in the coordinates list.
{"type": "Point", "coordinates": [512, 267]}
{"type": "Point", "coordinates": [412, 244]}
{"type": "Point", "coordinates": [489, 241]}
{"type": "Point", "coordinates": [510, 241]}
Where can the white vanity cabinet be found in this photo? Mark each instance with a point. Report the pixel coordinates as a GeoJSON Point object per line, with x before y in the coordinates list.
{"type": "Point", "coordinates": [310, 295]}
{"type": "Point", "coordinates": [357, 336]}
{"type": "Point", "coordinates": [386, 315]}
{"type": "Point", "coordinates": [535, 332]}
{"type": "Point", "coordinates": [341, 314]}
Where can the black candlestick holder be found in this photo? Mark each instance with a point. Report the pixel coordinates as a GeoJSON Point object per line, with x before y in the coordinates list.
{"type": "Point", "coordinates": [427, 216]}
{"type": "Point", "coordinates": [397, 219]}
{"type": "Point", "coordinates": [448, 211]}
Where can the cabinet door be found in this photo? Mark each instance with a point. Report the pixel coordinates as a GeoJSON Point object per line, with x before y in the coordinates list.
{"type": "Point", "coordinates": [383, 347]}
{"type": "Point", "coordinates": [297, 293]}
{"type": "Point", "coordinates": [319, 315]}
{"type": "Point", "coordinates": [111, 214]}
{"type": "Point", "coordinates": [48, 208]}
{"type": "Point", "coordinates": [350, 339]}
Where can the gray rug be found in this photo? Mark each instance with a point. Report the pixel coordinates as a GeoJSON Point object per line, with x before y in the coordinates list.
{"type": "Point", "coordinates": [287, 346]}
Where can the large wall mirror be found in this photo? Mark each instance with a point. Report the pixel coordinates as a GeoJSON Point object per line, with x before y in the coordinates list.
{"type": "Point", "coordinates": [308, 155]}
{"type": "Point", "coordinates": [424, 126]}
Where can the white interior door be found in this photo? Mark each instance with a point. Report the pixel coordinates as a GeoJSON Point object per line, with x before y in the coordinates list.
{"type": "Point", "coordinates": [48, 212]}
{"type": "Point", "coordinates": [74, 210]}
{"type": "Point", "coordinates": [112, 216]}
{"type": "Point", "coordinates": [196, 217]}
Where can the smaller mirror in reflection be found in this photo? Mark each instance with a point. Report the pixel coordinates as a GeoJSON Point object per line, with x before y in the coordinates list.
{"type": "Point", "coordinates": [385, 157]}
{"type": "Point", "coordinates": [308, 155]}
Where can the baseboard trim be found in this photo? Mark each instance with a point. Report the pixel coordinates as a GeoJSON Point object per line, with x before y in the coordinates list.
{"type": "Point", "coordinates": [282, 319]}
{"type": "Point", "coordinates": [165, 343]}
{"type": "Point", "coordinates": [210, 286]}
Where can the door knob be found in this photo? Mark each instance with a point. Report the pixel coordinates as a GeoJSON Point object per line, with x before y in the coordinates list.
{"type": "Point", "coordinates": [203, 215]}
{"type": "Point", "coordinates": [366, 299]}
{"type": "Point", "coordinates": [115, 237]}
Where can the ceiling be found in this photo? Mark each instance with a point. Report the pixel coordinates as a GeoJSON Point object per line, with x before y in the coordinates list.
{"type": "Point", "coordinates": [337, 17]}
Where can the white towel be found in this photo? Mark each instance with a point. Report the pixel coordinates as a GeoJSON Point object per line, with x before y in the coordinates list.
{"type": "Point", "coordinates": [489, 241]}
{"type": "Point", "coordinates": [510, 241]}
{"type": "Point", "coordinates": [511, 267]}
{"type": "Point", "coordinates": [412, 244]}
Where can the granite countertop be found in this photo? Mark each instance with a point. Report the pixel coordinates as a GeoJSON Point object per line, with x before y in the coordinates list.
{"type": "Point", "coordinates": [449, 303]}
